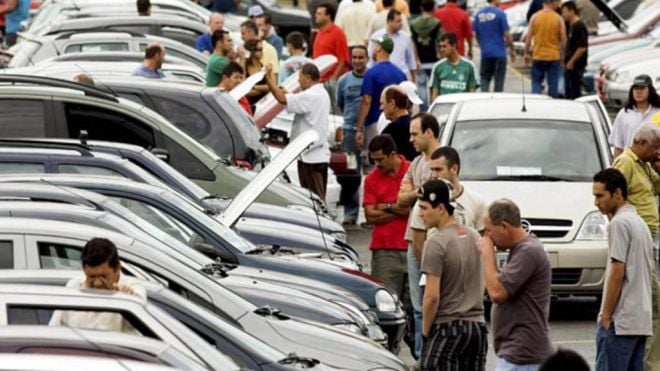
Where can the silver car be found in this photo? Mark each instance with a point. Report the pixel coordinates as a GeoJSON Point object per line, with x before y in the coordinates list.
{"type": "Point", "coordinates": [41, 362]}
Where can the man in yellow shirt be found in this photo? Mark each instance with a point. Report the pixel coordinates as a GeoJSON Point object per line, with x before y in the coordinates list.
{"type": "Point", "coordinates": [656, 119]}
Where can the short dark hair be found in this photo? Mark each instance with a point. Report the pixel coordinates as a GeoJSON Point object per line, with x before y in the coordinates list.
{"type": "Point", "coordinates": [360, 47]}
{"type": "Point", "coordinates": [395, 94]}
{"type": "Point", "coordinates": [143, 6]}
{"type": "Point", "coordinates": [612, 179]}
{"type": "Point", "coordinates": [388, 4]}
{"type": "Point", "coordinates": [504, 210]}
{"type": "Point", "coordinates": [98, 251]}
{"type": "Point", "coordinates": [428, 5]}
{"type": "Point", "coordinates": [450, 154]}
{"type": "Point", "coordinates": [296, 39]}
{"type": "Point", "coordinates": [250, 45]}
{"type": "Point", "coordinates": [428, 121]}
{"type": "Point", "coordinates": [152, 50]}
{"type": "Point", "coordinates": [250, 25]}
{"type": "Point", "coordinates": [329, 10]}
{"type": "Point", "coordinates": [218, 35]}
{"type": "Point", "coordinates": [383, 142]}
{"type": "Point", "coordinates": [570, 5]}
{"type": "Point", "coordinates": [232, 68]}
{"type": "Point", "coordinates": [565, 359]}
{"type": "Point", "coordinates": [393, 13]}
{"type": "Point", "coordinates": [311, 70]}
{"type": "Point", "coordinates": [450, 37]}
{"type": "Point", "coordinates": [267, 18]}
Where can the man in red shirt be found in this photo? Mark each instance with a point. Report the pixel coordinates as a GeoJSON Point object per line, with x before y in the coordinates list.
{"type": "Point", "coordinates": [381, 187]}
{"type": "Point", "coordinates": [330, 40]}
{"type": "Point", "coordinates": [456, 20]}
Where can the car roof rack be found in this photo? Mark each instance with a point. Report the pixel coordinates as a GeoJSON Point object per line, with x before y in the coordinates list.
{"type": "Point", "coordinates": [84, 151]}
{"type": "Point", "coordinates": [89, 90]}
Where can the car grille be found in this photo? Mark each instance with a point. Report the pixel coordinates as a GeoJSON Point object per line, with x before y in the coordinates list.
{"type": "Point", "coordinates": [566, 276]}
{"type": "Point", "coordinates": [548, 228]}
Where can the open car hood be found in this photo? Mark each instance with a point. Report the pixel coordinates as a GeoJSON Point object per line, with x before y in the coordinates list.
{"type": "Point", "coordinates": [243, 88]}
{"type": "Point", "coordinates": [611, 15]}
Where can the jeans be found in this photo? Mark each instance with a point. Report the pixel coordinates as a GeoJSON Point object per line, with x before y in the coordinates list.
{"type": "Point", "coordinates": [352, 205]}
{"type": "Point", "coordinates": [503, 365]}
{"type": "Point", "coordinates": [414, 274]}
{"type": "Point", "coordinates": [492, 68]}
{"type": "Point", "coordinates": [573, 83]}
{"type": "Point", "coordinates": [423, 80]}
{"type": "Point", "coordinates": [617, 352]}
{"type": "Point", "coordinates": [539, 71]}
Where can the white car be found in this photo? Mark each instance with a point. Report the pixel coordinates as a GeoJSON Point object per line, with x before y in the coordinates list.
{"type": "Point", "coordinates": [618, 81]}
{"type": "Point", "coordinates": [41, 362]}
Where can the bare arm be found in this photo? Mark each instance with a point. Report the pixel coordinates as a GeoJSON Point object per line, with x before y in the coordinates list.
{"type": "Point", "coordinates": [418, 239]}
{"type": "Point", "coordinates": [365, 103]}
{"type": "Point", "coordinates": [614, 285]}
{"type": "Point", "coordinates": [431, 302]}
{"type": "Point", "coordinates": [434, 94]}
{"type": "Point", "coordinates": [271, 80]}
{"type": "Point", "coordinates": [579, 52]}
{"type": "Point", "coordinates": [407, 194]}
{"type": "Point", "coordinates": [509, 42]}
{"type": "Point", "coordinates": [376, 216]}
{"type": "Point", "coordinates": [494, 287]}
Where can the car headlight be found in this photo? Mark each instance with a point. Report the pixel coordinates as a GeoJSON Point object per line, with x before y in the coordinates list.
{"type": "Point", "coordinates": [594, 227]}
{"type": "Point", "coordinates": [350, 327]}
{"type": "Point", "coordinates": [385, 302]}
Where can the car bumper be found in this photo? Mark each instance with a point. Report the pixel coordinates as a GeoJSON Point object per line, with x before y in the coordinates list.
{"type": "Point", "coordinates": [578, 267]}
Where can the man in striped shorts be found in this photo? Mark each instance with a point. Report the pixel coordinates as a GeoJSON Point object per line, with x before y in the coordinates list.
{"type": "Point", "coordinates": [453, 328]}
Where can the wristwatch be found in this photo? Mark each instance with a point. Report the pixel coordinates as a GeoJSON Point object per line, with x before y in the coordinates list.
{"type": "Point", "coordinates": [388, 207]}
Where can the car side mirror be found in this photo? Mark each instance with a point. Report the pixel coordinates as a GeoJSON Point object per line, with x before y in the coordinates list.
{"type": "Point", "coordinates": [161, 153]}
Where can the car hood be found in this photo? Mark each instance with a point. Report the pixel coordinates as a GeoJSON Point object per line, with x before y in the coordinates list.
{"type": "Point", "coordinates": [543, 200]}
{"type": "Point", "coordinates": [610, 14]}
{"type": "Point", "coordinates": [266, 176]}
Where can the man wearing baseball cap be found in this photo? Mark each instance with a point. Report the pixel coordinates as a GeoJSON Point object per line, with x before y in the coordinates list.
{"type": "Point", "coordinates": [454, 327]}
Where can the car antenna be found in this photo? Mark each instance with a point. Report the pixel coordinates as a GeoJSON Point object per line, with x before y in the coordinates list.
{"type": "Point", "coordinates": [318, 220]}
{"type": "Point", "coordinates": [522, 83]}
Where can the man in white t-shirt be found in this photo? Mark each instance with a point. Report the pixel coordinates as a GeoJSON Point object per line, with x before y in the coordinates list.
{"type": "Point", "coordinates": [311, 111]}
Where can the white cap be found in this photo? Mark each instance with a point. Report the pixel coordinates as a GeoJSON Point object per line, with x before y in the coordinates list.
{"type": "Point", "coordinates": [255, 11]}
{"type": "Point", "coordinates": [411, 91]}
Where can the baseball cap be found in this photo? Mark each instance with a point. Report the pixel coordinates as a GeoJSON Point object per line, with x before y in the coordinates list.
{"type": "Point", "coordinates": [386, 43]}
{"type": "Point", "coordinates": [255, 11]}
{"type": "Point", "coordinates": [643, 80]}
{"type": "Point", "coordinates": [411, 91]}
{"type": "Point", "coordinates": [437, 192]}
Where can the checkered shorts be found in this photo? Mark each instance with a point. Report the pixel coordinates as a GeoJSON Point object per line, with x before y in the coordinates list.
{"type": "Point", "coordinates": [456, 345]}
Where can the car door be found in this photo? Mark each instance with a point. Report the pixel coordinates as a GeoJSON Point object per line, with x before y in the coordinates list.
{"type": "Point", "coordinates": [603, 115]}
{"type": "Point", "coordinates": [12, 251]}
{"type": "Point", "coordinates": [26, 117]}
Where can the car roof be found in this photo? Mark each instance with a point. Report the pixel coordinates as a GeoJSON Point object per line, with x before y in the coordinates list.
{"type": "Point", "coordinates": [460, 97]}
{"type": "Point", "coordinates": [82, 180]}
{"type": "Point", "coordinates": [160, 84]}
{"type": "Point", "coordinates": [72, 24]}
{"type": "Point", "coordinates": [41, 362]}
{"type": "Point", "coordinates": [55, 228]}
{"type": "Point", "coordinates": [536, 109]}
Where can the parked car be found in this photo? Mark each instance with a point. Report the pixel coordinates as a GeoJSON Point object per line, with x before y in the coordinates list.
{"type": "Point", "coordinates": [618, 81]}
{"type": "Point", "coordinates": [615, 72]}
{"type": "Point", "coordinates": [543, 158]}
{"type": "Point", "coordinates": [638, 26]}
{"type": "Point", "coordinates": [41, 362]}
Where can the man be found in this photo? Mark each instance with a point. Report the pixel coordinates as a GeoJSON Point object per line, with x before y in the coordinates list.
{"type": "Point", "coordinates": [267, 32]}
{"type": "Point", "coordinates": [223, 45]}
{"type": "Point", "coordinates": [625, 317]}
{"type": "Point", "coordinates": [330, 40]}
{"type": "Point", "coordinates": [354, 21]}
{"type": "Point", "coordinates": [590, 15]}
{"type": "Point", "coordinates": [403, 54]}
{"type": "Point", "coordinates": [394, 103]}
{"type": "Point", "coordinates": [295, 44]}
{"type": "Point", "coordinates": [383, 74]}
{"type": "Point", "coordinates": [84, 78]}
{"type": "Point", "coordinates": [311, 109]}
{"type": "Point", "coordinates": [15, 12]}
{"type": "Point", "coordinates": [456, 20]}
{"type": "Point", "coordinates": [312, 7]}
{"type": "Point", "coordinates": [250, 31]}
{"type": "Point", "coordinates": [388, 248]}
{"type": "Point", "coordinates": [204, 43]}
{"type": "Point", "coordinates": [144, 7]}
{"type": "Point", "coordinates": [379, 20]}
{"type": "Point", "coordinates": [348, 100]}
{"type": "Point", "coordinates": [232, 76]}
{"type": "Point", "coordinates": [426, 31]}
{"type": "Point", "coordinates": [575, 57]}
{"type": "Point", "coordinates": [492, 31]}
{"type": "Point", "coordinates": [400, 5]}
{"type": "Point", "coordinates": [154, 55]}
{"type": "Point", "coordinates": [547, 34]}
{"type": "Point", "coordinates": [100, 263]}
{"type": "Point", "coordinates": [453, 74]}
{"type": "Point", "coordinates": [454, 330]}
{"type": "Point", "coordinates": [520, 290]}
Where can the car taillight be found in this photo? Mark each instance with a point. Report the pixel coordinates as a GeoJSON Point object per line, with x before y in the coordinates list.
{"type": "Point", "coordinates": [243, 164]}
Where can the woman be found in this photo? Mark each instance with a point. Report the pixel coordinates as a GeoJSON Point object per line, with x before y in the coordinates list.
{"type": "Point", "coordinates": [643, 103]}
{"type": "Point", "coordinates": [252, 66]}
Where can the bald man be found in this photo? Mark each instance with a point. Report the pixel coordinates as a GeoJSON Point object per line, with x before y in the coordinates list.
{"type": "Point", "coordinates": [154, 55]}
{"type": "Point", "coordinates": [204, 43]}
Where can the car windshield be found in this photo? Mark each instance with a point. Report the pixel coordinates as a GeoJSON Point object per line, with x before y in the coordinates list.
{"type": "Point", "coordinates": [523, 150]}
{"type": "Point", "coordinates": [243, 122]}
{"type": "Point", "coordinates": [442, 109]}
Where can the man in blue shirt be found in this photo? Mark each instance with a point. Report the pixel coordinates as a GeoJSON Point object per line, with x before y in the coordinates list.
{"type": "Point", "coordinates": [348, 100]}
{"type": "Point", "coordinates": [204, 43]}
{"type": "Point", "coordinates": [154, 55]}
{"type": "Point", "coordinates": [15, 12]}
{"type": "Point", "coordinates": [492, 31]}
{"type": "Point", "coordinates": [267, 33]}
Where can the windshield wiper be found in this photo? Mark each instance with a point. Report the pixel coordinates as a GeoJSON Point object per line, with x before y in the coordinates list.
{"type": "Point", "coordinates": [217, 268]}
{"type": "Point", "coordinates": [293, 358]}
{"type": "Point", "coordinates": [529, 177]}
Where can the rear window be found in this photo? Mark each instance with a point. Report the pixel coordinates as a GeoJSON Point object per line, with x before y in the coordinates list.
{"type": "Point", "coordinates": [97, 47]}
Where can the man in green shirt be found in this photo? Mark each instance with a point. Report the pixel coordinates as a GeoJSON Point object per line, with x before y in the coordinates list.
{"type": "Point", "coordinates": [453, 74]}
{"type": "Point", "coordinates": [218, 60]}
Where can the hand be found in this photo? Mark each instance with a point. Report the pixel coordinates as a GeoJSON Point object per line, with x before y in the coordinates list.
{"type": "Point", "coordinates": [123, 288]}
{"type": "Point", "coordinates": [606, 321]}
{"type": "Point", "coordinates": [359, 138]}
{"type": "Point", "coordinates": [528, 59]}
{"type": "Point", "coordinates": [512, 55]}
{"type": "Point", "coordinates": [486, 247]}
{"type": "Point", "coordinates": [570, 65]}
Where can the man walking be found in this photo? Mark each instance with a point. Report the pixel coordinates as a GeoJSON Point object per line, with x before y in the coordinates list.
{"type": "Point", "coordinates": [457, 21]}
{"type": "Point", "coordinates": [204, 42]}
{"type": "Point", "coordinates": [403, 54]}
{"type": "Point", "coordinates": [576, 55]}
{"type": "Point", "coordinates": [547, 34]}
{"type": "Point", "coordinates": [454, 330]}
{"type": "Point", "coordinates": [388, 248]}
{"type": "Point", "coordinates": [626, 312]}
{"type": "Point", "coordinates": [394, 103]}
{"type": "Point", "coordinates": [217, 62]}
{"type": "Point", "coordinates": [426, 30]}
{"type": "Point", "coordinates": [519, 290]}
{"type": "Point", "coordinates": [311, 109]}
{"type": "Point", "coordinates": [354, 21]}
{"type": "Point", "coordinates": [154, 55]}
{"type": "Point", "coordinates": [348, 99]}
{"type": "Point", "coordinates": [453, 74]}
{"type": "Point", "coordinates": [383, 74]}
{"type": "Point", "coordinates": [492, 31]}
{"type": "Point", "coordinates": [268, 34]}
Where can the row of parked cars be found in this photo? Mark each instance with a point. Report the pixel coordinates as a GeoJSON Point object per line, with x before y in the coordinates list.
{"type": "Point", "coordinates": [243, 269]}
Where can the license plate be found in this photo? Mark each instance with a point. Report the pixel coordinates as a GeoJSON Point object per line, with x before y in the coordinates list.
{"type": "Point", "coordinates": [501, 258]}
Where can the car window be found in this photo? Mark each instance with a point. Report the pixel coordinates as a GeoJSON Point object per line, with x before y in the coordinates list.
{"type": "Point", "coordinates": [185, 114]}
{"type": "Point", "coordinates": [59, 256]}
{"type": "Point", "coordinates": [103, 124]}
{"type": "Point", "coordinates": [186, 57]}
{"type": "Point", "coordinates": [96, 47]}
{"type": "Point", "coordinates": [188, 37]}
{"type": "Point", "coordinates": [183, 75]}
{"type": "Point", "coordinates": [441, 109]}
{"type": "Point", "coordinates": [87, 170]}
{"type": "Point", "coordinates": [21, 168]}
{"type": "Point", "coordinates": [22, 118]}
{"type": "Point", "coordinates": [248, 129]}
{"type": "Point", "coordinates": [6, 255]}
{"type": "Point", "coordinates": [131, 96]}
{"type": "Point", "coordinates": [184, 161]}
